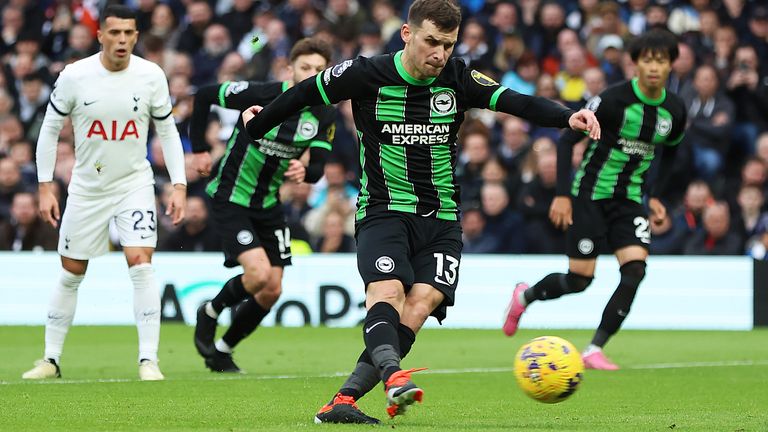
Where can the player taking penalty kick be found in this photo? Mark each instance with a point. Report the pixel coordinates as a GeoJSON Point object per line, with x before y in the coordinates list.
{"type": "Point", "coordinates": [408, 107]}
{"type": "Point", "coordinates": [110, 97]}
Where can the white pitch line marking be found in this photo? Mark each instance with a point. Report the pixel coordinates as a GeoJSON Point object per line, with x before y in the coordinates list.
{"type": "Point", "coordinates": [681, 365]}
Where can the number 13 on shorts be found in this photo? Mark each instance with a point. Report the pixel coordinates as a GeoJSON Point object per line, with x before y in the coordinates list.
{"type": "Point", "coordinates": [446, 269]}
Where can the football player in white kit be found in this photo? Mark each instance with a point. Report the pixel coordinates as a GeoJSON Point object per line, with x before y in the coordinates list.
{"type": "Point", "coordinates": [111, 98]}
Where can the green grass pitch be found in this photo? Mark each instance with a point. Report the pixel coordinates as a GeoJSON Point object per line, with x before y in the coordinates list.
{"type": "Point", "coordinates": [671, 380]}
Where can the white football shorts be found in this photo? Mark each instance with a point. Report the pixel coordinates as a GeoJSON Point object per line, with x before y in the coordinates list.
{"type": "Point", "coordinates": [84, 232]}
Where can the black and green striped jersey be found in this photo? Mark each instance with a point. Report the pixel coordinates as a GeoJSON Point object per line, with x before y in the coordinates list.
{"type": "Point", "coordinates": [631, 125]}
{"type": "Point", "coordinates": [251, 172]}
{"type": "Point", "coordinates": [407, 129]}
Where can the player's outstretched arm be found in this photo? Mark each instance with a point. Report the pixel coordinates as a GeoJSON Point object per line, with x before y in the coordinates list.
{"type": "Point", "coordinates": [293, 100]}
{"type": "Point", "coordinates": [544, 112]}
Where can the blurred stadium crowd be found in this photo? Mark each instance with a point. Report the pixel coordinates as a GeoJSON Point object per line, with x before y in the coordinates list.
{"type": "Point", "coordinates": [566, 50]}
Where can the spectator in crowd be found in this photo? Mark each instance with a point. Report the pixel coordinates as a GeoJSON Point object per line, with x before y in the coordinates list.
{"type": "Point", "coordinates": [749, 89]}
{"type": "Point", "coordinates": [515, 143]}
{"type": "Point", "coordinates": [754, 172]}
{"type": "Point", "coordinates": [761, 148]}
{"type": "Point", "coordinates": [10, 185]}
{"type": "Point", "coordinates": [7, 104]}
{"type": "Point", "coordinates": [333, 237]}
{"type": "Point", "coordinates": [21, 152]}
{"type": "Point", "coordinates": [710, 115]}
{"type": "Point", "coordinates": [585, 17]}
{"type": "Point", "coordinates": [216, 45]}
{"type": "Point", "coordinates": [610, 51]}
{"type": "Point", "coordinates": [541, 237]}
{"type": "Point", "coordinates": [369, 42]}
{"type": "Point", "coordinates": [656, 16]}
{"type": "Point", "coordinates": [25, 231]}
{"type": "Point", "coordinates": [383, 13]}
{"type": "Point", "coordinates": [502, 222]}
{"type": "Point", "coordinates": [757, 247]}
{"type": "Point", "coordinates": [703, 40]}
{"type": "Point", "coordinates": [716, 238]}
{"type": "Point", "coordinates": [295, 198]}
{"type": "Point", "coordinates": [542, 35]}
{"type": "Point", "coordinates": [199, 17]}
{"type": "Point", "coordinates": [33, 99]}
{"type": "Point", "coordinates": [522, 78]}
{"type": "Point", "coordinates": [81, 41]}
{"type": "Point", "coordinates": [12, 25]}
{"type": "Point", "coordinates": [688, 218]}
{"type": "Point", "coordinates": [494, 172]}
{"type": "Point", "coordinates": [726, 41]}
{"type": "Point", "coordinates": [508, 52]}
{"type": "Point", "coordinates": [473, 48]}
{"type": "Point", "coordinates": [685, 18]}
{"type": "Point", "coordinates": [610, 24]}
{"type": "Point", "coordinates": [594, 84]}
{"type": "Point", "coordinates": [164, 25]}
{"type": "Point", "coordinates": [634, 14]}
{"type": "Point", "coordinates": [334, 178]}
{"type": "Point", "coordinates": [277, 46]}
{"type": "Point", "coordinates": [476, 239]}
{"type": "Point", "coordinates": [336, 201]}
{"type": "Point", "coordinates": [666, 238]}
{"type": "Point", "coordinates": [195, 234]}
{"type": "Point", "coordinates": [748, 211]}
{"type": "Point", "coordinates": [680, 80]}
{"type": "Point", "coordinates": [238, 19]}
{"type": "Point", "coordinates": [476, 150]}
{"type": "Point", "coordinates": [757, 35]}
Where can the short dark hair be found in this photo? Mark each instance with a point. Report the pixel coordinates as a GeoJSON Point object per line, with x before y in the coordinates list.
{"type": "Point", "coordinates": [655, 41]}
{"type": "Point", "coordinates": [117, 11]}
{"type": "Point", "coordinates": [445, 14]}
{"type": "Point", "coordinates": [311, 46]}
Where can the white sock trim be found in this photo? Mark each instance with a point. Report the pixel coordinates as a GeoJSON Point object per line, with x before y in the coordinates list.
{"type": "Point", "coordinates": [223, 346]}
{"type": "Point", "coordinates": [591, 349]}
{"type": "Point", "coordinates": [210, 311]}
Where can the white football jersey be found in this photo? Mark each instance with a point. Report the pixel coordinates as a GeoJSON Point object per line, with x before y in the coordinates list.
{"type": "Point", "coordinates": [110, 113]}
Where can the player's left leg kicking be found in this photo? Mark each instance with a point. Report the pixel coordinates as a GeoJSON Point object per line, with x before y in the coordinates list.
{"type": "Point", "coordinates": [421, 301]}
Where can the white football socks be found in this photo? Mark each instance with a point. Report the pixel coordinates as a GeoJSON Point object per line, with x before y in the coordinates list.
{"type": "Point", "coordinates": [61, 312]}
{"type": "Point", "coordinates": [146, 309]}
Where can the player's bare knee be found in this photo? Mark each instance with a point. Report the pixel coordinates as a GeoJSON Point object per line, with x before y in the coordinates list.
{"type": "Point", "coordinates": [418, 312]}
{"type": "Point", "coordinates": [269, 295]}
{"type": "Point", "coordinates": [76, 267]}
{"type": "Point", "coordinates": [255, 279]}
